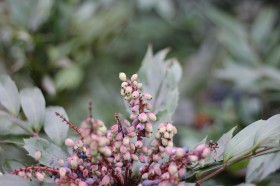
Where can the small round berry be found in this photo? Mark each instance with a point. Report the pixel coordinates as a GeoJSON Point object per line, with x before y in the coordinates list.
{"type": "Point", "coordinates": [147, 96]}
{"type": "Point", "coordinates": [40, 177]}
{"type": "Point", "coordinates": [37, 155]}
{"type": "Point", "coordinates": [89, 181]}
{"type": "Point", "coordinates": [69, 142]}
{"type": "Point", "coordinates": [152, 116]}
{"type": "Point", "coordinates": [134, 77]}
{"type": "Point", "coordinates": [142, 117]}
{"type": "Point", "coordinates": [105, 180]}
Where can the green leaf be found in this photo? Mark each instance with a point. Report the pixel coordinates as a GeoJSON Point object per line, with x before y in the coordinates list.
{"type": "Point", "coordinates": [222, 143]}
{"type": "Point", "coordinates": [68, 78]}
{"type": "Point", "coordinates": [9, 96]}
{"type": "Point", "coordinates": [33, 105]}
{"type": "Point", "coordinates": [50, 152]}
{"type": "Point", "coordinates": [243, 142]}
{"type": "Point", "coordinates": [54, 127]}
{"type": "Point", "coordinates": [8, 179]}
{"type": "Point", "coordinates": [160, 78]}
{"type": "Point", "coordinates": [262, 166]}
{"type": "Point", "coordinates": [7, 127]}
{"type": "Point", "coordinates": [269, 132]}
{"type": "Point", "coordinates": [263, 25]}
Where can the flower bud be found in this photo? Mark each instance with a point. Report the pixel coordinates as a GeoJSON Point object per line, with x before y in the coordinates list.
{"type": "Point", "coordinates": [172, 169]}
{"type": "Point", "coordinates": [180, 152]}
{"type": "Point", "coordinates": [142, 117]}
{"type": "Point", "coordinates": [39, 176]}
{"type": "Point", "coordinates": [169, 127]}
{"type": "Point", "coordinates": [206, 152]}
{"type": "Point", "coordinates": [128, 90]}
{"type": "Point", "coordinates": [182, 172]}
{"type": "Point", "coordinates": [152, 116]}
{"type": "Point", "coordinates": [139, 86]}
{"type": "Point", "coordinates": [138, 144]}
{"type": "Point", "coordinates": [135, 95]}
{"type": "Point", "coordinates": [165, 176]}
{"type": "Point", "coordinates": [145, 176]}
{"type": "Point", "coordinates": [122, 76]}
{"type": "Point", "coordinates": [147, 96]}
{"type": "Point", "coordinates": [37, 155]}
{"type": "Point", "coordinates": [125, 140]}
{"type": "Point", "coordinates": [200, 148]}
{"type": "Point", "coordinates": [134, 77]}
{"type": "Point", "coordinates": [61, 162]}
{"type": "Point", "coordinates": [193, 158]}
{"type": "Point", "coordinates": [149, 127]}
{"type": "Point", "coordinates": [105, 180]}
{"type": "Point", "coordinates": [62, 171]}
{"type": "Point", "coordinates": [134, 157]}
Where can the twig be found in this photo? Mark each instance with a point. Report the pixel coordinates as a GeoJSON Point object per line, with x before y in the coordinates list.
{"type": "Point", "coordinates": [73, 127]}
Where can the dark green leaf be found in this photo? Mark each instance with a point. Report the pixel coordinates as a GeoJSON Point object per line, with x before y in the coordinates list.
{"type": "Point", "coordinates": [54, 127]}
{"type": "Point", "coordinates": [50, 152]}
{"type": "Point", "coordinates": [33, 105]}
{"type": "Point", "coordinates": [9, 96]}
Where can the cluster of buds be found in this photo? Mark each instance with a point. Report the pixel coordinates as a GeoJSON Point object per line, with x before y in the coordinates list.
{"type": "Point", "coordinates": [107, 157]}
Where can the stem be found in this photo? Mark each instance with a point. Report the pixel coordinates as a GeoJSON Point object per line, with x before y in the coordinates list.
{"type": "Point", "coordinates": [226, 164]}
{"type": "Point", "coordinates": [119, 124]}
{"type": "Point", "coordinates": [72, 126]}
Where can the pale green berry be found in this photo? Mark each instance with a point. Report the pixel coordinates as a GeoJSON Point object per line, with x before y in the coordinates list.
{"type": "Point", "coordinates": [122, 76]}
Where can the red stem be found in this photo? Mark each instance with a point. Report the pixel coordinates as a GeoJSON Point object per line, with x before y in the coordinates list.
{"type": "Point", "coordinates": [73, 127]}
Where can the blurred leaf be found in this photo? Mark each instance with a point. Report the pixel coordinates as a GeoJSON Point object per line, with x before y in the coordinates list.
{"type": "Point", "coordinates": [7, 127]}
{"type": "Point", "coordinates": [246, 184]}
{"type": "Point", "coordinates": [269, 132]}
{"type": "Point", "coordinates": [242, 142]}
{"type": "Point", "coordinates": [54, 127]}
{"type": "Point", "coordinates": [263, 25]}
{"type": "Point", "coordinates": [69, 78]}
{"type": "Point", "coordinates": [33, 105]}
{"type": "Point", "coordinates": [9, 96]}
{"type": "Point", "coordinates": [50, 152]}
{"type": "Point", "coordinates": [274, 56]}
{"type": "Point", "coordinates": [30, 14]}
{"type": "Point", "coordinates": [14, 180]}
{"type": "Point", "coordinates": [262, 166]}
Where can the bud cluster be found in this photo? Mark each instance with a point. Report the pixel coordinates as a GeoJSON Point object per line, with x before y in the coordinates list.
{"type": "Point", "coordinates": [107, 157]}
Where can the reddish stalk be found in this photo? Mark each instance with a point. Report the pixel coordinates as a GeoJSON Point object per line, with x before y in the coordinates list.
{"type": "Point", "coordinates": [73, 127]}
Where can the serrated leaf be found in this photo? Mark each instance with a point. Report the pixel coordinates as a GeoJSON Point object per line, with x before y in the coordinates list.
{"type": "Point", "coordinates": [262, 166]}
{"type": "Point", "coordinates": [50, 152]}
{"type": "Point", "coordinates": [14, 180]}
{"type": "Point", "coordinates": [242, 142]}
{"type": "Point", "coordinates": [269, 132]}
{"type": "Point", "coordinates": [33, 105]}
{"type": "Point", "coordinates": [54, 127]}
{"type": "Point", "coordinates": [9, 96]}
{"type": "Point", "coordinates": [160, 78]}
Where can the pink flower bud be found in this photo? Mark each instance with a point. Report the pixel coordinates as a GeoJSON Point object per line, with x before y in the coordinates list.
{"type": "Point", "coordinates": [142, 158]}
{"type": "Point", "coordinates": [37, 155]}
{"type": "Point", "coordinates": [127, 123]}
{"type": "Point", "coordinates": [134, 157]}
{"type": "Point", "coordinates": [169, 150]}
{"type": "Point", "coordinates": [193, 158]}
{"type": "Point", "coordinates": [124, 84]}
{"type": "Point", "coordinates": [123, 149]}
{"type": "Point", "coordinates": [135, 95]}
{"type": "Point", "coordinates": [135, 108]}
{"type": "Point", "coordinates": [206, 152]}
{"type": "Point", "coordinates": [138, 144]}
{"type": "Point", "coordinates": [200, 148]}
{"type": "Point", "coordinates": [134, 77]}
{"type": "Point", "coordinates": [133, 116]}
{"type": "Point", "coordinates": [148, 106]}
{"type": "Point", "coordinates": [125, 140]}
{"type": "Point", "coordinates": [122, 76]}
{"type": "Point", "coordinates": [127, 156]}
{"type": "Point", "coordinates": [62, 171]}
{"type": "Point", "coordinates": [74, 164]}
{"type": "Point", "coordinates": [40, 177]}
{"type": "Point", "coordinates": [147, 96]}
{"type": "Point", "coordinates": [142, 117]}
{"type": "Point", "coordinates": [152, 116]}
{"type": "Point", "coordinates": [128, 90]}
{"type": "Point", "coordinates": [180, 152]}
{"type": "Point", "coordinates": [172, 169]}
{"type": "Point", "coordinates": [105, 180]}
{"type": "Point", "coordinates": [131, 134]}
{"type": "Point", "coordinates": [61, 162]}
{"type": "Point", "coordinates": [139, 86]}
{"type": "Point", "coordinates": [182, 172]}
{"type": "Point", "coordinates": [169, 127]}
{"type": "Point", "coordinates": [149, 127]}
{"type": "Point", "coordinates": [165, 176]}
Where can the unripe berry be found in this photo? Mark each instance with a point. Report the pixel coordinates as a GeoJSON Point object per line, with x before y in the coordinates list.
{"type": "Point", "coordinates": [206, 152]}
{"type": "Point", "coordinates": [62, 171]}
{"type": "Point", "coordinates": [193, 158]}
{"type": "Point", "coordinates": [169, 127]}
{"type": "Point", "coordinates": [172, 169]}
{"type": "Point", "coordinates": [180, 152]}
{"type": "Point", "coordinates": [200, 148]}
{"type": "Point", "coordinates": [122, 76]}
{"type": "Point", "coordinates": [125, 140]}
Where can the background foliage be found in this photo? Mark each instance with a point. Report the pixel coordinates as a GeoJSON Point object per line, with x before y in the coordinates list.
{"type": "Point", "coordinates": [72, 50]}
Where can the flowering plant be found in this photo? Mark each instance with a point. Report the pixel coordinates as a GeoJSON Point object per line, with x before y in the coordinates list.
{"type": "Point", "coordinates": [134, 151]}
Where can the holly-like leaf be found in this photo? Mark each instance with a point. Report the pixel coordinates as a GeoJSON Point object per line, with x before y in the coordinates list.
{"type": "Point", "coordinates": [269, 132]}
{"type": "Point", "coordinates": [262, 166]}
{"type": "Point", "coordinates": [33, 105]}
{"type": "Point", "coordinates": [9, 179]}
{"type": "Point", "coordinates": [9, 96]}
{"type": "Point", "coordinates": [50, 152]}
{"type": "Point", "coordinates": [242, 142]}
{"type": "Point", "coordinates": [54, 126]}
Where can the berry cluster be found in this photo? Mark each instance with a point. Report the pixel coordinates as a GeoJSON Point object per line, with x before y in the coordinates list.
{"type": "Point", "coordinates": [107, 157]}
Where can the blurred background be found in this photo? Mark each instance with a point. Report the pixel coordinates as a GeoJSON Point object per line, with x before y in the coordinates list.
{"type": "Point", "coordinates": [73, 51]}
